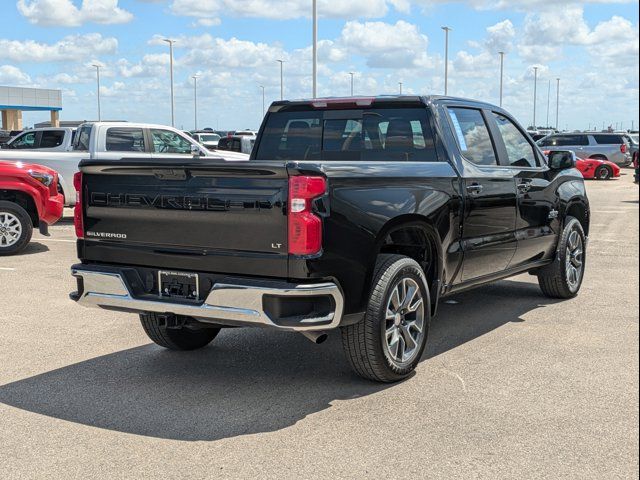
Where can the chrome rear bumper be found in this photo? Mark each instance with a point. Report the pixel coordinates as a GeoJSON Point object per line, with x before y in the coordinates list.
{"type": "Point", "coordinates": [226, 304]}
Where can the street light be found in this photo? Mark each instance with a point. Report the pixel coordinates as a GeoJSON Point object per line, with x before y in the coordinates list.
{"type": "Point", "coordinates": [315, 48]}
{"type": "Point", "coordinates": [281, 62]}
{"type": "Point", "coordinates": [97, 67]}
{"type": "Point", "coordinates": [501, 76]}
{"type": "Point", "coordinates": [558, 105]}
{"type": "Point", "coordinates": [173, 106]}
{"type": "Point", "coordinates": [195, 101]}
{"type": "Point", "coordinates": [535, 96]}
{"type": "Point", "coordinates": [263, 100]}
{"type": "Point", "coordinates": [352, 75]}
{"type": "Point", "coordinates": [446, 59]}
{"type": "Point", "coordinates": [548, 103]}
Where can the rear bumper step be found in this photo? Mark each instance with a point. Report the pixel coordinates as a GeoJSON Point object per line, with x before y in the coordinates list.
{"type": "Point", "coordinates": [232, 303]}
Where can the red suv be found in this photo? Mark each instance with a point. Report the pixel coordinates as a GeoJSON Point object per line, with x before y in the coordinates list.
{"type": "Point", "coordinates": [29, 198]}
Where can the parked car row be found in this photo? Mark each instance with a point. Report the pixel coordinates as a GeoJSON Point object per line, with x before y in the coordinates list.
{"type": "Point", "coordinates": [612, 147]}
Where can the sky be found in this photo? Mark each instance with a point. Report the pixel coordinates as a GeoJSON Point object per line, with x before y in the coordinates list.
{"type": "Point", "coordinates": [233, 47]}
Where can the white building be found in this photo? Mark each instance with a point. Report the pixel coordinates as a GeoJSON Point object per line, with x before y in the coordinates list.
{"type": "Point", "coordinates": [15, 100]}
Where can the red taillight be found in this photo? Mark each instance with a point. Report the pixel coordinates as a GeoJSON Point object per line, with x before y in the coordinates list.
{"type": "Point", "coordinates": [623, 148]}
{"type": "Point", "coordinates": [77, 211]}
{"type": "Point", "coordinates": [305, 228]}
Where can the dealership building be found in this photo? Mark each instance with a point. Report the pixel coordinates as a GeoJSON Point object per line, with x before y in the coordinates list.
{"type": "Point", "coordinates": [15, 100]}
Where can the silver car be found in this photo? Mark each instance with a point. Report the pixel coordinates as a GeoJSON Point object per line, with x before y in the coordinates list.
{"type": "Point", "coordinates": [604, 146]}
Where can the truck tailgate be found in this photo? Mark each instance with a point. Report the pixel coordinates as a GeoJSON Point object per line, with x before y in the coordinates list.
{"type": "Point", "coordinates": [205, 216]}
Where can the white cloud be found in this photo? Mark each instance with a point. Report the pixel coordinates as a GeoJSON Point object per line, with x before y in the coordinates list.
{"type": "Point", "coordinates": [10, 75]}
{"type": "Point", "coordinates": [70, 48]}
{"type": "Point", "coordinates": [522, 5]}
{"type": "Point", "coordinates": [65, 13]}
{"type": "Point", "coordinates": [115, 90]}
{"type": "Point", "coordinates": [151, 65]}
{"type": "Point", "coordinates": [546, 34]}
{"type": "Point", "coordinates": [385, 45]}
{"type": "Point", "coordinates": [284, 9]}
{"type": "Point", "coordinates": [500, 37]}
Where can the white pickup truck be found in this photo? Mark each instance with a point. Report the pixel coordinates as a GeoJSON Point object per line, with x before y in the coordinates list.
{"type": "Point", "coordinates": [114, 141]}
{"type": "Point", "coordinates": [43, 139]}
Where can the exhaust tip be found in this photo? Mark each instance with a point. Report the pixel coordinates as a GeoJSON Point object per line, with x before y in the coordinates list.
{"type": "Point", "coordinates": [316, 337]}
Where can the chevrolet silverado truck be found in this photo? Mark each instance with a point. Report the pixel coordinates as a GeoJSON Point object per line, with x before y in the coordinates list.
{"type": "Point", "coordinates": [355, 216]}
{"type": "Point", "coordinates": [28, 198]}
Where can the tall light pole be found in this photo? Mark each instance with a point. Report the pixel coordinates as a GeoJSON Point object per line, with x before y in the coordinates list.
{"type": "Point", "coordinates": [263, 100]}
{"type": "Point", "coordinates": [548, 103]}
{"type": "Point", "coordinates": [195, 101]}
{"type": "Point", "coordinates": [352, 75]}
{"type": "Point", "coordinates": [281, 62]}
{"type": "Point", "coordinates": [501, 76]}
{"type": "Point", "coordinates": [400, 83]}
{"type": "Point", "coordinates": [558, 105]}
{"type": "Point", "coordinates": [535, 96]}
{"type": "Point", "coordinates": [315, 48]}
{"type": "Point", "coordinates": [446, 59]}
{"type": "Point", "coordinates": [97, 67]}
{"type": "Point", "coordinates": [173, 105]}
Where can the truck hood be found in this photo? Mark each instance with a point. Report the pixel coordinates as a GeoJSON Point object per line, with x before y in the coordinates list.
{"type": "Point", "coordinates": [16, 165]}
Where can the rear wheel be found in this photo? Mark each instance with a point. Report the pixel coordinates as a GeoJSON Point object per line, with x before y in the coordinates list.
{"type": "Point", "coordinates": [603, 173]}
{"type": "Point", "coordinates": [563, 278]}
{"type": "Point", "coordinates": [180, 339]}
{"type": "Point", "coordinates": [15, 228]}
{"type": "Point", "coordinates": [388, 343]}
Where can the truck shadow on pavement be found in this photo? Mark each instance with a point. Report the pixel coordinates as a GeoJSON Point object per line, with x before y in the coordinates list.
{"type": "Point", "coordinates": [247, 382]}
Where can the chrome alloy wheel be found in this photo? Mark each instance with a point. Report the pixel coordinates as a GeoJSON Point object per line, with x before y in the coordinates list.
{"type": "Point", "coordinates": [405, 322]}
{"type": "Point", "coordinates": [574, 260]}
{"type": "Point", "coordinates": [10, 229]}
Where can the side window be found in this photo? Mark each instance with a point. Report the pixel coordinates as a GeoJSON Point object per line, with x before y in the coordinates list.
{"type": "Point", "coordinates": [568, 141]}
{"type": "Point", "coordinates": [473, 136]}
{"type": "Point", "coordinates": [82, 139]}
{"type": "Point", "coordinates": [26, 140]}
{"type": "Point", "coordinates": [521, 153]}
{"type": "Point", "coordinates": [125, 140]}
{"type": "Point", "coordinates": [52, 139]}
{"type": "Point", "coordinates": [165, 141]}
{"type": "Point", "coordinates": [608, 139]}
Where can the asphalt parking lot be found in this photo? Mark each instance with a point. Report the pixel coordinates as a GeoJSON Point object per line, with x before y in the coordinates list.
{"type": "Point", "coordinates": [512, 384]}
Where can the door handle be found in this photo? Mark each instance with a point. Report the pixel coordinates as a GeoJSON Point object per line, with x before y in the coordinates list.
{"type": "Point", "coordinates": [476, 189]}
{"type": "Point", "coordinates": [524, 187]}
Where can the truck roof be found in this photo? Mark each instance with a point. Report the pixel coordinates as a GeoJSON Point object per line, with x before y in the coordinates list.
{"type": "Point", "coordinates": [374, 101]}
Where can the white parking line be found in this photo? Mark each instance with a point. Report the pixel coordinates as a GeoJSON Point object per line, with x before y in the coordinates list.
{"type": "Point", "coordinates": [54, 240]}
{"type": "Point", "coordinates": [6, 269]}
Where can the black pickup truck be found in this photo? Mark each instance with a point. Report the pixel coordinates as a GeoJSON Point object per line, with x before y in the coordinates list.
{"type": "Point", "coordinates": [358, 214]}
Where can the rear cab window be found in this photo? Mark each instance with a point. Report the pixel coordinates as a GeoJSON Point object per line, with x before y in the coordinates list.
{"type": "Point", "coordinates": [125, 140]}
{"type": "Point", "coordinates": [368, 135]}
{"type": "Point", "coordinates": [52, 138]}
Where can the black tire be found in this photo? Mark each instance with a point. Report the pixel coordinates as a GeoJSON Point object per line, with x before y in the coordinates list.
{"type": "Point", "coordinates": [554, 279]}
{"type": "Point", "coordinates": [603, 173]}
{"type": "Point", "coordinates": [25, 224]}
{"type": "Point", "coordinates": [365, 343]}
{"type": "Point", "coordinates": [179, 339]}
